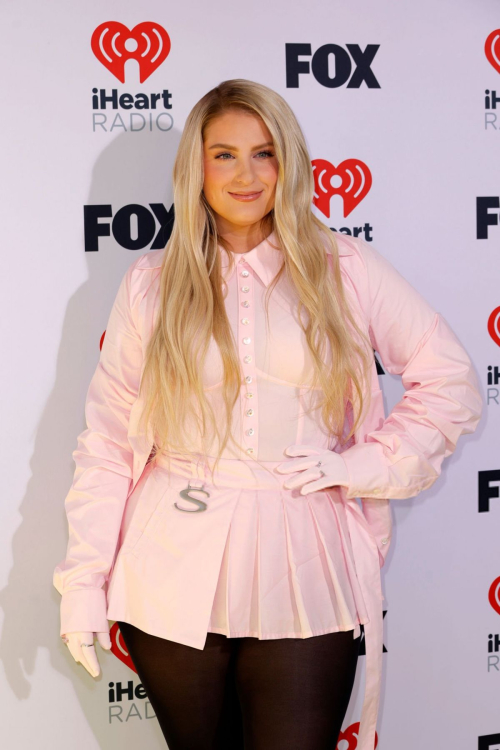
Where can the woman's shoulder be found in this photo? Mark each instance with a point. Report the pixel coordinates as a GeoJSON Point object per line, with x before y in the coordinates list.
{"type": "Point", "coordinates": [148, 261]}
{"type": "Point", "coordinates": [141, 283]}
{"type": "Point", "coordinates": [354, 256]}
{"type": "Point", "coordinates": [363, 262]}
{"type": "Point", "coordinates": [144, 270]}
{"type": "Point", "coordinates": [355, 248]}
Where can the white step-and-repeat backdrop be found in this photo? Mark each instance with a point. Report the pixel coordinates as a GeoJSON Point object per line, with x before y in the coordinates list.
{"type": "Point", "coordinates": [406, 93]}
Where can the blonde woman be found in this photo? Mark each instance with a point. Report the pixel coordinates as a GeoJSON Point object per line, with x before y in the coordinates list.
{"type": "Point", "coordinates": [233, 420]}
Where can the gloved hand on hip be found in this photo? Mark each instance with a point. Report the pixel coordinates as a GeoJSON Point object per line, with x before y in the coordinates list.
{"type": "Point", "coordinates": [318, 469]}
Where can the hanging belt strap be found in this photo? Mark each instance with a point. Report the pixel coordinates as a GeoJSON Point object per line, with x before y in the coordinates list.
{"type": "Point", "coordinates": [367, 563]}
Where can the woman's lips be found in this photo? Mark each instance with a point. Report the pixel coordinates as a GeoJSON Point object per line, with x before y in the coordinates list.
{"type": "Point", "coordinates": [251, 197]}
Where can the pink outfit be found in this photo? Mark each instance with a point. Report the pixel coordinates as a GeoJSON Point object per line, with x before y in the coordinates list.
{"type": "Point", "coordinates": [261, 560]}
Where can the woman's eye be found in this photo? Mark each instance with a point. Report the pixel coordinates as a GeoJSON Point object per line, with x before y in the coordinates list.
{"type": "Point", "coordinates": [268, 153]}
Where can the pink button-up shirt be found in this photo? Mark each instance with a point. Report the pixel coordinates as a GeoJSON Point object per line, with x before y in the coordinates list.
{"type": "Point", "coordinates": [114, 513]}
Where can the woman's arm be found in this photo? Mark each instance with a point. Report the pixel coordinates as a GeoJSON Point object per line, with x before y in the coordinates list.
{"type": "Point", "coordinates": [441, 401]}
{"type": "Point", "coordinates": [96, 500]}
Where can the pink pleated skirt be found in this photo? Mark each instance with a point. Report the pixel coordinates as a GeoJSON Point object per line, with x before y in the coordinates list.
{"type": "Point", "coordinates": [286, 569]}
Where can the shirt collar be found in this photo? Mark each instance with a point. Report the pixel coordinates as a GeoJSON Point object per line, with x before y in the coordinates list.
{"type": "Point", "coordinates": [266, 258]}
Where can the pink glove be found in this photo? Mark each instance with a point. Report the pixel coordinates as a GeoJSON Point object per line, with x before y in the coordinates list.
{"type": "Point", "coordinates": [331, 472]}
{"type": "Point", "coordinates": [81, 646]}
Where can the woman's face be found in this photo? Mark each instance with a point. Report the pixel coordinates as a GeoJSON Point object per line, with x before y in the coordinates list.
{"type": "Point", "coordinates": [244, 163]}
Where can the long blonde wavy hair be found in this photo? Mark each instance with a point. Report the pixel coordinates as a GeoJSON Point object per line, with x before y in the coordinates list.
{"type": "Point", "coordinates": [192, 309]}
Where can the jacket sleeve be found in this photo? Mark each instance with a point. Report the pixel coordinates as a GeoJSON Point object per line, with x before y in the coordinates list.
{"type": "Point", "coordinates": [96, 500]}
{"type": "Point", "coordinates": [441, 401]}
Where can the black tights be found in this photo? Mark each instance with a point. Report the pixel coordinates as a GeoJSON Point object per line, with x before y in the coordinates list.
{"type": "Point", "coordinates": [246, 693]}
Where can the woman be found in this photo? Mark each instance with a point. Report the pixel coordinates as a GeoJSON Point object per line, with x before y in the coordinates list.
{"type": "Point", "coordinates": [240, 580]}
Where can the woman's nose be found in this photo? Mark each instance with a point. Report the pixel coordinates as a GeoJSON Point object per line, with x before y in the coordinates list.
{"type": "Point", "coordinates": [245, 171]}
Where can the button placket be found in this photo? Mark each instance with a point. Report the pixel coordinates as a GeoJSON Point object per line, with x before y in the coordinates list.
{"type": "Point", "coordinates": [246, 346]}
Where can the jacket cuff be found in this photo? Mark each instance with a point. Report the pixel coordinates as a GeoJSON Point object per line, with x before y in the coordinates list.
{"type": "Point", "coordinates": [365, 468]}
{"type": "Point", "coordinates": [84, 610]}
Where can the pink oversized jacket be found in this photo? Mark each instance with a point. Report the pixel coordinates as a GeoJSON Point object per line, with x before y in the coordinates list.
{"type": "Point", "coordinates": [391, 458]}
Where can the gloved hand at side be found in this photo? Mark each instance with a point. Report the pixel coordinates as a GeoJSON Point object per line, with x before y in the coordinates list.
{"type": "Point", "coordinates": [81, 646]}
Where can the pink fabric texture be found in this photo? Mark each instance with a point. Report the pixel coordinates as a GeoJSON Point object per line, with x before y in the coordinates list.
{"type": "Point", "coordinates": [262, 560]}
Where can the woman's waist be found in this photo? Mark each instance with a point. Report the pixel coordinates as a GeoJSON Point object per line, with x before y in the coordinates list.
{"type": "Point", "coordinates": [229, 472]}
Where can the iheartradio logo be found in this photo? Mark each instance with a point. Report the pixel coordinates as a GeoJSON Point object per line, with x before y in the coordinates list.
{"type": "Point", "coordinates": [494, 595]}
{"type": "Point", "coordinates": [119, 648]}
{"type": "Point", "coordinates": [492, 49]}
{"type": "Point", "coordinates": [494, 325]}
{"type": "Point", "coordinates": [348, 739]}
{"type": "Point", "coordinates": [113, 44]}
{"type": "Point", "coordinates": [354, 182]}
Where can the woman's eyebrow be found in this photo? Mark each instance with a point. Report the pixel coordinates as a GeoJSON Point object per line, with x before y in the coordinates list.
{"type": "Point", "coordinates": [233, 148]}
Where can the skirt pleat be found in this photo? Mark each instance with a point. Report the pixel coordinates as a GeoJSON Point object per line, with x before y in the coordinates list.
{"type": "Point", "coordinates": [287, 569]}
{"type": "Point", "coordinates": [343, 612]}
{"type": "Point", "coordinates": [345, 541]}
{"type": "Point", "coordinates": [305, 627]}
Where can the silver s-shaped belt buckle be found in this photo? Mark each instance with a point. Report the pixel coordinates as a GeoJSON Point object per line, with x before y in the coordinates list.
{"type": "Point", "coordinates": [186, 496]}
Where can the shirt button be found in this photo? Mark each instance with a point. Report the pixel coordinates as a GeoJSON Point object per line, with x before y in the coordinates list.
{"type": "Point", "coordinates": [247, 340]}
{"type": "Point", "coordinates": [245, 321]}
{"type": "Point", "coordinates": [245, 273]}
{"type": "Point", "coordinates": [250, 431]}
{"type": "Point", "coordinates": [249, 395]}
{"type": "Point", "coordinates": [249, 450]}
{"type": "Point", "coordinates": [384, 540]}
{"type": "Point", "coordinates": [245, 288]}
{"type": "Point", "coordinates": [249, 412]}
{"type": "Point", "coordinates": [248, 358]}
{"type": "Point", "coordinates": [248, 378]}
{"type": "Point", "coordinates": [246, 303]}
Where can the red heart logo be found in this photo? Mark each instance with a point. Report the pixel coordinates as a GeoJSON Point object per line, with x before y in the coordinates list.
{"type": "Point", "coordinates": [494, 325]}
{"type": "Point", "coordinates": [119, 648]}
{"type": "Point", "coordinates": [355, 182]}
{"type": "Point", "coordinates": [152, 46]}
{"type": "Point", "coordinates": [350, 735]}
{"type": "Point", "coordinates": [492, 49]}
{"type": "Point", "coordinates": [494, 595]}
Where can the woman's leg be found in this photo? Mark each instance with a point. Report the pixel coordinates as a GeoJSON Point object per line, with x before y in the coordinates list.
{"type": "Point", "coordinates": [294, 692]}
{"type": "Point", "coordinates": [192, 691]}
